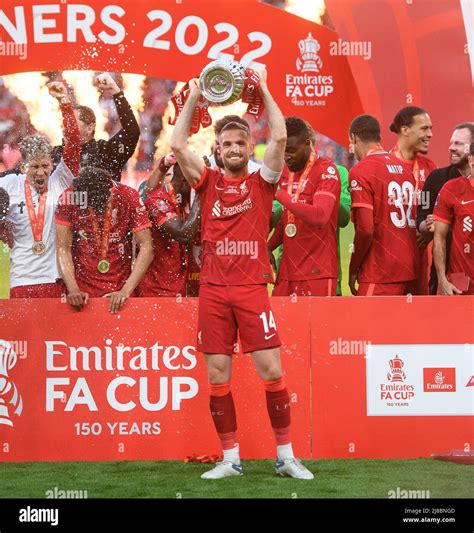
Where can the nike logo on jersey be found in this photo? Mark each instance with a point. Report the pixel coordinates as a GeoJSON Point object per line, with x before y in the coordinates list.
{"type": "Point", "coordinates": [267, 337]}
{"type": "Point", "coordinates": [468, 202]}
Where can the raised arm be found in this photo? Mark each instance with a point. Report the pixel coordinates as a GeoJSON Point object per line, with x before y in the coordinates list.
{"type": "Point", "coordinates": [72, 145]}
{"type": "Point", "coordinates": [123, 143]}
{"type": "Point", "coordinates": [191, 165]}
{"type": "Point", "coordinates": [275, 154]}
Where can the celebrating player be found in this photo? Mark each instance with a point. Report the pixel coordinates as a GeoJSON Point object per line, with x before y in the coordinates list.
{"type": "Point", "coordinates": [455, 208]}
{"type": "Point", "coordinates": [172, 229]}
{"type": "Point", "coordinates": [96, 219]}
{"type": "Point", "coordinates": [414, 129]}
{"type": "Point", "coordinates": [33, 198]}
{"type": "Point", "coordinates": [310, 195]}
{"type": "Point", "coordinates": [236, 209]}
{"type": "Point", "coordinates": [385, 255]}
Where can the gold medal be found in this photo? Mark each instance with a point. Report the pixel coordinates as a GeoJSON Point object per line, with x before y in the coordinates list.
{"type": "Point", "coordinates": [103, 266]}
{"type": "Point", "coordinates": [290, 230]}
{"type": "Point", "coordinates": [38, 248]}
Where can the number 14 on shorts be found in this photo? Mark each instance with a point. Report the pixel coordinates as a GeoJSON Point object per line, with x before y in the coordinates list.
{"type": "Point", "coordinates": [268, 324]}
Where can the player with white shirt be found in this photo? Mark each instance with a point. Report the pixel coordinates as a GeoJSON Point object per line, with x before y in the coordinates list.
{"type": "Point", "coordinates": [33, 198]}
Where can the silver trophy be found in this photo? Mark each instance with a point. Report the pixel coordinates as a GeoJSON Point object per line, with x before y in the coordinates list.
{"type": "Point", "coordinates": [222, 81]}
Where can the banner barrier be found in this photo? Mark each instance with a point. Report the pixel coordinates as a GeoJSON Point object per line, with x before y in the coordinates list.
{"type": "Point", "coordinates": [94, 386]}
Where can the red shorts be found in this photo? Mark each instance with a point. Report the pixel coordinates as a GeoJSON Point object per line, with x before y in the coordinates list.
{"type": "Point", "coordinates": [307, 287]}
{"type": "Point", "coordinates": [387, 289]}
{"type": "Point", "coordinates": [42, 290]}
{"type": "Point", "coordinates": [224, 309]}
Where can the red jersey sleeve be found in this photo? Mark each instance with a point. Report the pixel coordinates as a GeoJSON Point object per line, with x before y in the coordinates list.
{"type": "Point", "coordinates": [443, 210]}
{"type": "Point", "coordinates": [63, 214]}
{"type": "Point", "coordinates": [201, 185]}
{"type": "Point", "coordinates": [160, 210]}
{"type": "Point", "coordinates": [139, 216]}
{"type": "Point", "coordinates": [362, 194]}
{"type": "Point", "coordinates": [330, 182]}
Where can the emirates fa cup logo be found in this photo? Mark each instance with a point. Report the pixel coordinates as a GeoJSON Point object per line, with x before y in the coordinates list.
{"type": "Point", "coordinates": [9, 395]}
{"type": "Point", "coordinates": [396, 373]}
{"type": "Point", "coordinates": [309, 60]}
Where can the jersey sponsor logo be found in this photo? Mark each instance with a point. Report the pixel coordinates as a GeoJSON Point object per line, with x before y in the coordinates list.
{"type": "Point", "coordinates": [268, 337]}
{"type": "Point", "coordinates": [467, 224]}
{"type": "Point", "coordinates": [219, 211]}
{"type": "Point", "coordinates": [329, 177]}
{"type": "Point", "coordinates": [355, 186]}
{"type": "Point", "coordinates": [216, 210]}
{"type": "Point", "coordinates": [331, 170]}
{"type": "Point", "coordinates": [463, 202]}
{"type": "Point", "coordinates": [395, 169]}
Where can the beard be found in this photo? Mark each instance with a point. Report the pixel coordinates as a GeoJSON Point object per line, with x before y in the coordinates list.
{"type": "Point", "coordinates": [237, 165]}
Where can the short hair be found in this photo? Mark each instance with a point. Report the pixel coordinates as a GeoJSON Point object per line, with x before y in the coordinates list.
{"type": "Point", "coordinates": [366, 127]}
{"type": "Point", "coordinates": [235, 126]}
{"type": "Point", "coordinates": [85, 114]}
{"type": "Point", "coordinates": [222, 122]}
{"type": "Point", "coordinates": [297, 127]}
{"type": "Point", "coordinates": [96, 184]}
{"type": "Point", "coordinates": [405, 117]}
{"type": "Point", "coordinates": [34, 146]}
{"type": "Point", "coordinates": [468, 126]}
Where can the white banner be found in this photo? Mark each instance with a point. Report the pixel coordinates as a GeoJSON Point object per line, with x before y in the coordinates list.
{"type": "Point", "coordinates": [420, 379]}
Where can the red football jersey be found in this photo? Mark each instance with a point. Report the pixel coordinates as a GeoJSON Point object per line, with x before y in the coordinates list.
{"type": "Point", "coordinates": [167, 272]}
{"type": "Point", "coordinates": [455, 206]}
{"type": "Point", "coordinates": [421, 167]}
{"type": "Point", "coordinates": [312, 252]}
{"type": "Point", "coordinates": [235, 215]}
{"type": "Point", "coordinates": [381, 183]}
{"type": "Point", "coordinates": [128, 216]}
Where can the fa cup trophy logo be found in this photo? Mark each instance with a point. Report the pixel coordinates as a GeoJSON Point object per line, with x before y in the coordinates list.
{"type": "Point", "coordinates": [8, 392]}
{"type": "Point", "coordinates": [309, 60]}
{"type": "Point", "coordinates": [396, 373]}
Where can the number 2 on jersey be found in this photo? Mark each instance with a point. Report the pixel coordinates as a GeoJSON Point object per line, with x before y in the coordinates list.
{"type": "Point", "coordinates": [402, 198]}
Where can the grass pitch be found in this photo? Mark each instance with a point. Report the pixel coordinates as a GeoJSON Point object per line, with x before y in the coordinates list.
{"type": "Point", "coordinates": [342, 478]}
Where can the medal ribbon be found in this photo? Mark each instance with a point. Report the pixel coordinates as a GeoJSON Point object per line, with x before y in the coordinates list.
{"type": "Point", "coordinates": [416, 173]}
{"type": "Point", "coordinates": [251, 95]}
{"type": "Point", "coordinates": [102, 237]}
{"type": "Point", "coordinates": [36, 220]}
{"type": "Point", "coordinates": [201, 116]}
{"type": "Point", "coordinates": [301, 183]}
{"type": "Point", "coordinates": [416, 166]}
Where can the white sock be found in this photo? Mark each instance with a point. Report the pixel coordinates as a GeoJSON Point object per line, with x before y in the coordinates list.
{"type": "Point", "coordinates": [285, 451]}
{"type": "Point", "coordinates": [232, 455]}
